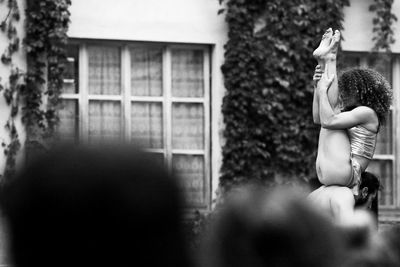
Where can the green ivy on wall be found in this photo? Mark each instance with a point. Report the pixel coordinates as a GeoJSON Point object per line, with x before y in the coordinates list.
{"type": "Point", "coordinates": [46, 39]}
{"type": "Point", "coordinates": [45, 42]}
{"type": "Point", "coordinates": [13, 86]}
{"type": "Point", "coordinates": [7, 26]}
{"type": "Point", "coordinates": [269, 132]}
{"type": "Point", "coordinates": [383, 21]}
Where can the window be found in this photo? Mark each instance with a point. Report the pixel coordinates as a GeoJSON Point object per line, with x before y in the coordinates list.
{"type": "Point", "coordinates": [384, 164]}
{"type": "Point", "coordinates": [154, 95]}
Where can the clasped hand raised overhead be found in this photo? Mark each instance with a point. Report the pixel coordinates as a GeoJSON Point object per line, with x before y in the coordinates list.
{"type": "Point", "coordinates": [321, 79]}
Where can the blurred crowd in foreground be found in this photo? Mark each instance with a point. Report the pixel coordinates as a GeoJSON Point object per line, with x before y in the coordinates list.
{"type": "Point", "coordinates": [116, 206]}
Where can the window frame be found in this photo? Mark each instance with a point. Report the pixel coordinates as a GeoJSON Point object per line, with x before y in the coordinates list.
{"type": "Point", "coordinates": [388, 157]}
{"type": "Point", "coordinates": [82, 98]}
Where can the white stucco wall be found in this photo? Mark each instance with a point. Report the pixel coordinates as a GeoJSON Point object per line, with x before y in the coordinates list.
{"type": "Point", "coordinates": [18, 60]}
{"type": "Point", "coordinates": [358, 26]}
{"type": "Point", "coordinates": [187, 21]}
{"type": "Point", "coordinates": [175, 21]}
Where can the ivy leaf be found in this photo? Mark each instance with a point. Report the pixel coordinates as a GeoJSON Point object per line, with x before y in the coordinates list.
{"type": "Point", "coordinates": [3, 26]}
{"type": "Point", "coordinates": [16, 15]}
{"type": "Point", "coordinates": [14, 111]}
{"type": "Point", "coordinates": [6, 58]}
{"type": "Point", "coordinates": [7, 96]}
{"type": "Point", "coordinates": [283, 82]}
{"type": "Point", "coordinates": [281, 47]}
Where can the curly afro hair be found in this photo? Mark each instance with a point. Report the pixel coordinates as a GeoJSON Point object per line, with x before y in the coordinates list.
{"type": "Point", "coordinates": [365, 87]}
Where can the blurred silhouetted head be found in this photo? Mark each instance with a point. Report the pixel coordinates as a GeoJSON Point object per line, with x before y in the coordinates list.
{"type": "Point", "coordinates": [272, 228]}
{"type": "Point", "coordinates": [380, 250]}
{"type": "Point", "coordinates": [105, 206]}
{"type": "Point", "coordinates": [391, 238]}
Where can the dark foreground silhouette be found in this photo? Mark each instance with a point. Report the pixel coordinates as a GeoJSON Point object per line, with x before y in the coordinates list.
{"type": "Point", "coordinates": [104, 206]}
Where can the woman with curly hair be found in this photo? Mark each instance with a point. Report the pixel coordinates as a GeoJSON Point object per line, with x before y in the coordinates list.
{"type": "Point", "coordinates": [350, 111]}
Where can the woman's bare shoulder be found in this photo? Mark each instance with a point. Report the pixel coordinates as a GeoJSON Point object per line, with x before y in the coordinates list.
{"type": "Point", "coordinates": [342, 194]}
{"type": "Point", "coordinates": [370, 117]}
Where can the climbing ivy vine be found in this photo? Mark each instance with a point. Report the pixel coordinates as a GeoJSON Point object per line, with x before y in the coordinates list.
{"type": "Point", "coordinates": [38, 88]}
{"type": "Point", "coordinates": [13, 85]}
{"type": "Point", "coordinates": [46, 39]}
{"type": "Point", "coordinates": [269, 133]}
{"type": "Point", "coordinates": [383, 21]}
{"type": "Point", "coordinates": [7, 26]}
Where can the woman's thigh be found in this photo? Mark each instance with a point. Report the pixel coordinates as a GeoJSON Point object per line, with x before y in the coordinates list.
{"type": "Point", "coordinates": [334, 157]}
